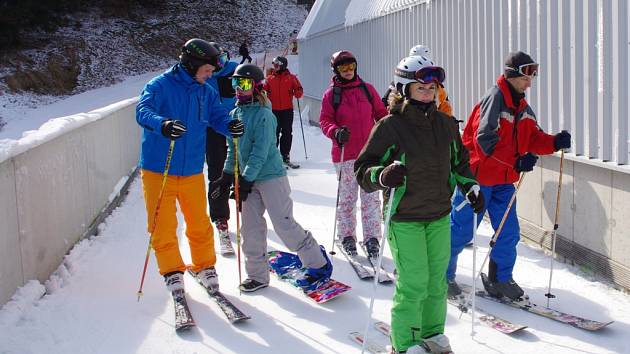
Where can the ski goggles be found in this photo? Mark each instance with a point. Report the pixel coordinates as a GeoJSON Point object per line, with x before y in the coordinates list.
{"type": "Point", "coordinates": [530, 69]}
{"type": "Point", "coordinates": [243, 83]}
{"type": "Point", "coordinates": [277, 62]}
{"type": "Point", "coordinates": [346, 67]}
{"type": "Point", "coordinates": [430, 74]}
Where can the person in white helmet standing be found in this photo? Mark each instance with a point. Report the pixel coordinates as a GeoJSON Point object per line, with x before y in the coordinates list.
{"type": "Point", "coordinates": [434, 163]}
{"type": "Point", "coordinates": [442, 101]}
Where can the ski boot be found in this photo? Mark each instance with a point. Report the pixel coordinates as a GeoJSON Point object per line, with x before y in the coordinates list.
{"type": "Point", "coordinates": [509, 289]}
{"type": "Point", "coordinates": [437, 343]}
{"type": "Point", "coordinates": [454, 291]}
{"type": "Point", "coordinates": [174, 281]}
{"type": "Point", "coordinates": [349, 245]}
{"type": "Point", "coordinates": [224, 237]}
{"type": "Point", "coordinates": [209, 279]}
{"type": "Point", "coordinates": [315, 277]}
{"type": "Point", "coordinates": [372, 247]}
{"type": "Point", "coordinates": [498, 289]}
{"type": "Point", "coordinates": [251, 285]}
{"type": "Point", "coordinates": [288, 164]}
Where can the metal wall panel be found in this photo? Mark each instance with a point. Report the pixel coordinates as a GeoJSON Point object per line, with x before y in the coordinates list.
{"type": "Point", "coordinates": [582, 46]}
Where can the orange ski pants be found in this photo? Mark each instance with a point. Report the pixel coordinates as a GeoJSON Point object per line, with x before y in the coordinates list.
{"type": "Point", "coordinates": [190, 192]}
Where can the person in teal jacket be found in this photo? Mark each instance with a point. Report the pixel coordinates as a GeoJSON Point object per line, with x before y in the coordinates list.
{"type": "Point", "coordinates": [216, 149]}
{"type": "Point", "coordinates": [176, 107]}
{"type": "Point", "coordinates": [264, 186]}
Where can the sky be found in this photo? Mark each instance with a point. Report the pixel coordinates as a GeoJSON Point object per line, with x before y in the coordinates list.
{"type": "Point", "coordinates": [89, 304]}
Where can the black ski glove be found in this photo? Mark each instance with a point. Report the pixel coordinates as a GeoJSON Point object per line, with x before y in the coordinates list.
{"type": "Point", "coordinates": [475, 198]}
{"type": "Point", "coordinates": [221, 185]}
{"type": "Point", "coordinates": [562, 140]}
{"type": "Point", "coordinates": [393, 175]}
{"type": "Point", "coordinates": [244, 188]}
{"type": "Point", "coordinates": [173, 129]}
{"type": "Point", "coordinates": [236, 128]}
{"type": "Point", "coordinates": [525, 163]}
{"type": "Point", "coordinates": [342, 135]}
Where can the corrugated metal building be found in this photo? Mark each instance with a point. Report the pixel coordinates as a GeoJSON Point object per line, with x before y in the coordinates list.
{"type": "Point", "coordinates": [583, 49]}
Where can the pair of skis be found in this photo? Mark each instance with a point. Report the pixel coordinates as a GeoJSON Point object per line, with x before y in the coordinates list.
{"type": "Point", "coordinates": [365, 266]}
{"type": "Point", "coordinates": [492, 321]}
{"type": "Point", "coordinates": [183, 317]}
{"type": "Point", "coordinates": [526, 305]}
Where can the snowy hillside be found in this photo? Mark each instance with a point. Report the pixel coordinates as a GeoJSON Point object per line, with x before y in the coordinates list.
{"type": "Point", "coordinates": [94, 50]}
{"type": "Point", "coordinates": [91, 304]}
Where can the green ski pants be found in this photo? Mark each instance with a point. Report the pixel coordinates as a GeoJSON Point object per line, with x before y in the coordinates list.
{"type": "Point", "coordinates": [421, 252]}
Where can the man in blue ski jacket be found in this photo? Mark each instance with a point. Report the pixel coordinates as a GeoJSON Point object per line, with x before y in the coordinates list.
{"type": "Point", "coordinates": [176, 107]}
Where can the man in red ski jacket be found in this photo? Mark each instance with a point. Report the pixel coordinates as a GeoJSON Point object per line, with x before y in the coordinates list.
{"type": "Point", "coordinates": [502, 136]}
{"type": "Point", "coordinates": [281, 87]}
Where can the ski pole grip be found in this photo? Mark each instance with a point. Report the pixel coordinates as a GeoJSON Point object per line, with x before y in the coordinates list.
{"type": "Point", "coordinates": [474, 189]}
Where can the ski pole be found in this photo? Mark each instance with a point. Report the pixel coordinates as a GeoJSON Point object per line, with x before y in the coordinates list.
{"type": "Point", "coordinates": [238, 214]}
{"type": "Point", "coordinates": [169, 155]}
{"type": "Point", "coordinates": [497, 232]}
{"type": "Point", "coordinates": [388, 217]}
{"type": "Point", "coordinates": [332, 248]}
{"type": "Point", "coordinates": [474, 270]}
{"type": "Point", "coordinates": [476, 190]}
{"type": "Point", "coordinates": [302, 126]}
{"type": "Point", "coordinates": [549, 295]}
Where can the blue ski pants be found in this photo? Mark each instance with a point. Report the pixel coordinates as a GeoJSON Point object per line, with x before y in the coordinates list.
{"type": "Point", "coordinates": [503, 254]}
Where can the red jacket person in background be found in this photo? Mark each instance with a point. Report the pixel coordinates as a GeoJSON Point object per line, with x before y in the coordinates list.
{"type": "Point", "coordinates": [281, 87]}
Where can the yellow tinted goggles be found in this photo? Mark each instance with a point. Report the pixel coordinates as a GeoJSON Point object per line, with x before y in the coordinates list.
{"type": "Point", "coordinates": [243, 83]}
{"type": "Point", "coordinates": [347, 67]}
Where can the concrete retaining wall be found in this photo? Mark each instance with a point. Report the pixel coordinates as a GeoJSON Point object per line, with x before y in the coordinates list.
{"type": "Point", "coordinates": [52, 193]}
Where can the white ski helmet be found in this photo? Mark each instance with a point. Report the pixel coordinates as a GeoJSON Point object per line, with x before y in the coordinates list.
{"type": "Point", "coordinates": [409, 68]}
{"type": "Point", "coordinates": [420, 50]}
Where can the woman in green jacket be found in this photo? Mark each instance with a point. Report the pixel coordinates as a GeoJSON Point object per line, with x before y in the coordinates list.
{"type": "Point", "coordinates": [264, 186]}
{"type": "Point", "coordinates": [434, 162]}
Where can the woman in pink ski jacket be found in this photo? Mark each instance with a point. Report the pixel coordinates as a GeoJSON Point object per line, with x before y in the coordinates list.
{"type": "Point", "coordinates": [350, 107]}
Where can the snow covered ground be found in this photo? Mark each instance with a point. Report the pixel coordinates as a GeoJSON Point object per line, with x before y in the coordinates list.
{"type": "Point", "coordinates": [91, 307]}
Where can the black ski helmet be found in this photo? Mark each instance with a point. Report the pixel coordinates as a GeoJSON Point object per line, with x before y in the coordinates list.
{"type": "Point", "coordinates": [250, 71]}
{"type": "Point", "coordinates": [283, 62]}
{"type": "Point", "coordinates": [197, 52]}
{"type": "Point", "coordinates": [341, 57]}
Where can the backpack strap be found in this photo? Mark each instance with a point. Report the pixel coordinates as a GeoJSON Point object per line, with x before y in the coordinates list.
{"type": "Point", "coordinates": [336, 97]}
{"type": "Point", "coordinates": [337, 94]}
{"type": "Point", "coordinates": [363, 86]}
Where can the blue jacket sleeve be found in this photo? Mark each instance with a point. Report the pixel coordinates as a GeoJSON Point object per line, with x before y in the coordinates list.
{"type": "Point", "coordinates": [219, 118]}
{"type": "Point", "coordinates": [146, 108]}
{"type": "Point", "coordinates": [264, 139]}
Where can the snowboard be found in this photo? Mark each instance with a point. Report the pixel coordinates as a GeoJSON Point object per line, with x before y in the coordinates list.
{"type": "Point", "coordinates": [288, 267]}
